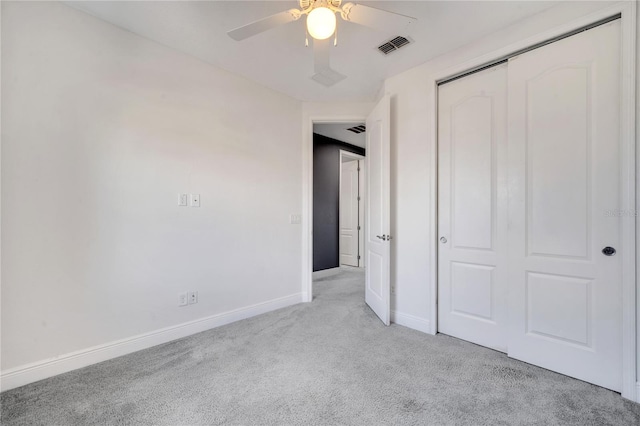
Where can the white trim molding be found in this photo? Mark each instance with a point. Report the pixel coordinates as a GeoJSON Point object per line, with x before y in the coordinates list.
{"type": "Point", "coordinates": [325, 272]}
{"type": "Point", "coordinates": [349, 154]}
{"type": "Point", "coordinates": [627, 11]}
{"type": "Point", "coordinates": [411, 321]}
{"type": "Point", "coordinates": [33, 372]}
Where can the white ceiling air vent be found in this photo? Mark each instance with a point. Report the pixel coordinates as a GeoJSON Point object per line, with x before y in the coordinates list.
{"type": "Point", "coordinates": [358, 129]}
{"type": "Point", "coordinates": [393, 44]}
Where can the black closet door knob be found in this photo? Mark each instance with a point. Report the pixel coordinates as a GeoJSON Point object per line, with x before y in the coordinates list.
{"type": "Point", "coordinates": [608, 251]}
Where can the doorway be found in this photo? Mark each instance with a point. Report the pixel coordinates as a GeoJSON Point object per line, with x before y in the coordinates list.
{"type": "Point", "coordinates": [377, 208]}
{"type": "Point", "coordinates": [338, 161]}
{"type": "Point", "coordinates": [526, 259]}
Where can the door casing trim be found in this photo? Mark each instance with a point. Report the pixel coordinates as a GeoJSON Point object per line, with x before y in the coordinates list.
{"type": "Point", "coordinates": [307, 194]}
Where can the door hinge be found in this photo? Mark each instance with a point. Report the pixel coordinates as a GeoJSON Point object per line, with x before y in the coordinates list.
{"type": "Point", "coordinates": [358, 168]}
{"type": "Point", "coordinates": [358, 198]}
{"type": "Point", "coordinates": [358, 257]}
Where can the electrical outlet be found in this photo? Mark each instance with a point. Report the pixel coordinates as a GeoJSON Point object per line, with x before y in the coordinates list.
{"type": "Point", "coordinates": [195, 200]}
{"type": "Point", "coordinates": [193, 297]}
{"type": "Point", "coordinates": [182, 200]}
{"type": "Point", "coordinates": [183, 299]}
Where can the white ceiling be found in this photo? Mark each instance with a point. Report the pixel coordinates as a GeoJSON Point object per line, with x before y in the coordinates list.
{"type": "Point", "coordinates": [278, 58]}
{"type": "Point", "coordinates": [338, 131]}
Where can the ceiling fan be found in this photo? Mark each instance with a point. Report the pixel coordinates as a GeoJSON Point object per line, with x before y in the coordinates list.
{"type": "Point", "coordinates": [321, 25]}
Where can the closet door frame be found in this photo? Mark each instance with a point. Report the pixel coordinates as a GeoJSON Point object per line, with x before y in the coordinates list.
{"type": "Point", "coordinates": [626, 11]}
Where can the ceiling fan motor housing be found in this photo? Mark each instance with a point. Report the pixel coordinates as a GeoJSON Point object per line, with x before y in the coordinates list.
{"type": "Point", "coordinates": [311, 4]}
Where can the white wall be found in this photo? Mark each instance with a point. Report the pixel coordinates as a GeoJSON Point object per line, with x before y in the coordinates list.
{"type": "Point", "coordinates": [413, 197]}
{"type": "Point", "coordinates": [101, 131]}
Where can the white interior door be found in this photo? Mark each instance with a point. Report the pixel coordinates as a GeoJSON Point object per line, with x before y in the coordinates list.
{"type": "Point", "coordinates": [472, 208]}
{"type": "Point", "coordinates": [377, 222]}
{"type": "Point", "coordinates": [349, 213]}
{"type": "Point", "coordinates": [564, 176]}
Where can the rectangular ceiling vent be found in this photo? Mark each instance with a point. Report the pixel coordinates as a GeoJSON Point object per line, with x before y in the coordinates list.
{"type": "Point", "coordinates": [358, 129]}
{"type": "Point", "coordinates": [393, 44]}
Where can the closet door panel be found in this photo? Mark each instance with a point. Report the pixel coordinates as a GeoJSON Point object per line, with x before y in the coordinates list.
{"type": "Point", "coordinates": [472, 292]}
{"type": "Point", "coordinates": [564, 175]}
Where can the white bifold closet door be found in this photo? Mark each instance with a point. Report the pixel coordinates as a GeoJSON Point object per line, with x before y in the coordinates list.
{"type": "Point", "coordinates": [472, 208]}
{"type": "Point", "coordinates": [526, 252]}
{"type": "Point", "coordinates": [564, 175]}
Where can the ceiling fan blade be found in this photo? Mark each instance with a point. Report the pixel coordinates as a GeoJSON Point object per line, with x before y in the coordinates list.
{"type": "Point", "coordinates": [322, 65]}
{"type": "Point", "coordinates": [377, 19]}
{"type": "Point", "coordinates": [265, 24]}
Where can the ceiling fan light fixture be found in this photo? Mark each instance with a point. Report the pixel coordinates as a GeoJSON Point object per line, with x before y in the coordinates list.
{"type": "Point", "coordinates": [321, 23]}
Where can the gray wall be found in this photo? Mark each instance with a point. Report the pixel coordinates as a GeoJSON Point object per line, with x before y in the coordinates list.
{"type": "Point", "coordinates": [326, 200]}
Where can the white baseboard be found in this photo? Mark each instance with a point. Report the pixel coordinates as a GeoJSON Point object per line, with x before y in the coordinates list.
{"type": "Point", "coordinates": [29, 373]}
{"type": "Point", "coordinates": [325, 273]}
{"type": "Point", "coordinates": [411, 321]}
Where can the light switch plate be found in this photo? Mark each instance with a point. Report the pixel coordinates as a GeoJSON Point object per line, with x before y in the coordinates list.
{"type": "Point", "coordinates": [193, 297]}
{"type": "Point", "coordinates": [182, 200]}
{"type": "Point", "coordinates": [195, 200]}
{"type": "Point", "coordinates": [183, 299]}
{"type": "Point", "coordinates": [295, 219]}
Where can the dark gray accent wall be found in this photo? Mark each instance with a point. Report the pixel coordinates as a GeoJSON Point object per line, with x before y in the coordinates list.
{"type": "Point", "coordinates": [326, 200]}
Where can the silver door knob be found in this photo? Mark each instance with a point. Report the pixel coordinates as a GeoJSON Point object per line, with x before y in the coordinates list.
{"type": "Point", "coordinates": [443, 240]}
